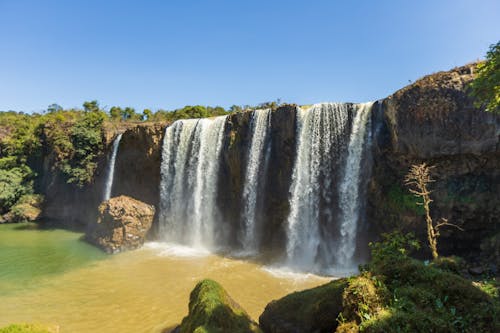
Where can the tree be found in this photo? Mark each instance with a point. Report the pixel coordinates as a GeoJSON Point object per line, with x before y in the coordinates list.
{"type": "Point", "coordinates": [418, 179]}
{"type": "Point", "coordinates": [115, 112]}
{"type": "Point", "coordinates": [235, 108]}
{"type": "Point", "coordinates": [128, 113]}
{"type": "Point", "coordinates": [146, 114]}
{"type": "Point", "coordinates": [92, 106]}
{"type": "Point", "coordinates": [54, 108]}
{"type": "Point", "coordinates": [486, 86]}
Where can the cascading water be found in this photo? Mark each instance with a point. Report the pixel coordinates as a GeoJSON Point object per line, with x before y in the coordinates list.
{"type": "Point", "coordinates": [349, 187]}
{"type": "Point", "coordinates": [189, 171]}
{"type": "Point", "coordinates": [256, 166]}
{"type": "Point", "coordinates": [322, 132]}
{"type": "Point", "coordinates": [111, 168]}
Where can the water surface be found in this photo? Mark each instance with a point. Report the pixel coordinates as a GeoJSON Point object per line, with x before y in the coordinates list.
{"type": "Point", "coordinates": [53, 277]}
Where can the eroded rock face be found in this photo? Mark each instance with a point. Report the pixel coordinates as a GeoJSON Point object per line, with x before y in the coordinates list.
{"type": "Point", "coordinates": [122, 224]}
{"type": "Point", "coordinates": [434, 121]}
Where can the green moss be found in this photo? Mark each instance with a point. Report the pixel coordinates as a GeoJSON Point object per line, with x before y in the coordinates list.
{"type": "Point", "coordinates": [451, 264]}
{"type": "Point", "coordinates": [427, 299]}
{"type": "Point", "coordinates": [312, 310]}
{"type": "Point", "coordinates": [364, 297]}
{"type": "Point", "coordinates": [399, 200]}
{"type": "Point", "coordinates": [212, 310]}
{"type": "Point", "coordinates": [28, 328]}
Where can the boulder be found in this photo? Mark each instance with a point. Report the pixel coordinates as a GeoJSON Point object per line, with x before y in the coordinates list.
{"type": "Point", "coordinates": [312, 310]}
{"type": "Point", "coordinates": [211, 309]}
{"type": "Point", "coordinates": [122, 224]}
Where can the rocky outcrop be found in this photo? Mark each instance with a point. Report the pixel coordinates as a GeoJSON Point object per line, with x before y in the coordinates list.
{"type": "Point", "coordinates": [137, 174]}
{"type": "Point", "coordinates": [137, 168]}
{"type": "Point", "coordinates": [312, 310]}
{"type": "Point", "coordinates": [434, 120]}
{"type": "Point", "coordinates": [122, 224]}
{"type": "Point", "coordinates": [211, 309]}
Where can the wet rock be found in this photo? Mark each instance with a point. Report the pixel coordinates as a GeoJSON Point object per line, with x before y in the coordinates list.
{"type": "Point", "coordinates": [122, 224]}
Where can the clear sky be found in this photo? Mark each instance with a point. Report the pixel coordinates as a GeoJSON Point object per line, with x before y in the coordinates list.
{"type": "Point", "coordinates": [167, 54]}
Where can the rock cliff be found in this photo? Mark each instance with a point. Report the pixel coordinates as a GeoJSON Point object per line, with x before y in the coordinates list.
{"type": "Point", "coordinates": [434, 120]}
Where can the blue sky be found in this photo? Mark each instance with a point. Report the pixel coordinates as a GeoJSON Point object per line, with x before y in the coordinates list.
{"type": "Point", "coordinates": [166, 54]}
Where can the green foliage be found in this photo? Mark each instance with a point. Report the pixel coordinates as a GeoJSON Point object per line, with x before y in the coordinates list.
{"type": "Point", "coordinates": [115, 112]}
{"type": "Point", "coordinates": [86, 141]}
{"type": "Point", "coordinates": [188, 112]}
{"type": "Point", "coordinates": [146, 114]}
{"type": "Point", "coordinates": [211, 310]}
{"type": "Point", "coordinates": [400, 200]}
{"type": "Point", "coordinates": [486, 86]}
{"type": "Point", "coordinates": [424, 298]}
{"type": "Point", "coordinates": [364, 297]}
{"type": "Point", "coordinates": [451, 264]}
{"type": "Point", "coordinates": [27, 328]}
{"type": "Point", "coordinates": [14, 183]}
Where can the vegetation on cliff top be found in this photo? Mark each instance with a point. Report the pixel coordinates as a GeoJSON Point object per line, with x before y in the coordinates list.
{"type": "Point", "coordinates": [486, 86]}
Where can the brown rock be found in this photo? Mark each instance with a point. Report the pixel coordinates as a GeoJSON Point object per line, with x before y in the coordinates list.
{"type": "Point", "coordinates": [122, 224]}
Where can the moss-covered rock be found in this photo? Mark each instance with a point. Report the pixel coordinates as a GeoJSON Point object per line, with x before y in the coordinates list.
{"type": "Point", "coordinates": [312, 310]}
{"type": "Point", "coordinates": [212, 310]}
{"type": "Point", "coordinates": [364, 297]}
{"type": "Point", "coordinates": [29, 328]}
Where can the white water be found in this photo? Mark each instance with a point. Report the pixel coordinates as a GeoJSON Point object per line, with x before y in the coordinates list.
{"type": "Point", "coordinates": [256, 164]}
{"type": "Point", "coordinates": [320, 130]}
{"type": "Point", "coordinates": [111, 168]}
{"type": "Point", "coordinates": [349, 188]}
{"type": "Point", "coordinates": [322, 133]}
{"type": "Point", "coordinates": [189, 171]}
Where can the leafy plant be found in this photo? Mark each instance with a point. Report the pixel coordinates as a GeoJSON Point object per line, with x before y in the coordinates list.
{"type": "Point", "coordinates": [486, 86]}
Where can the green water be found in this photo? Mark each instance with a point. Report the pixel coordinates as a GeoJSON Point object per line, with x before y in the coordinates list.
{"type": "Point", "coordinates": [52, 277]}
{"type": "Point", "coordinates": [29, 256]}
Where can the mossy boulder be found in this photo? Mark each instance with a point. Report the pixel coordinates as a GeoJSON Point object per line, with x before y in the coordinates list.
{"type": "Point", "coordinates": [29, 328]}
{"type": "Point", "coordinates": [312, 310]}
{"type": "Point", "coordinates": [364, 296]}
{"type": "Point", "coordinates": [212, 310]}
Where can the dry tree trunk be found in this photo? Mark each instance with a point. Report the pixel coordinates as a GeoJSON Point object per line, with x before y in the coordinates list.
{"type": "Point", "coordinates": [418, 180]}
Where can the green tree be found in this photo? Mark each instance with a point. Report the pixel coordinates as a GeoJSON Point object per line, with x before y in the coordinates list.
{"type": "Point", "coordinates": [128, 113]}
{"type": "Point", "coordinates": [146, 114]}
{"type": "Point", "coordinates": [54, 108]}
{"type": "Point", "coordinates": [486, 86]}
{"type": "Point", "coordinates": [92, 106]}
{"type": "Point", "coordinates": [115, 112]}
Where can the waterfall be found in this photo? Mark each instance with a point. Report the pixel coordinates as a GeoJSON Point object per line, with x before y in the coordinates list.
{"type": "Point", "coordinates": [349, 187]}
{"type": "Point", "coordinates": [322, 135]}
{"type": "Point", "coordinates": [111, 168]}
{"type": "Point", "coordinates": [189, 171]}
{"type": "Point", "coordinates": [255, 172]}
